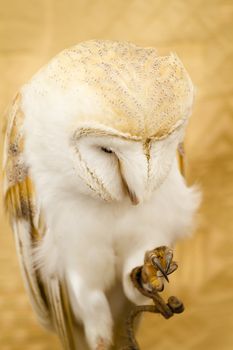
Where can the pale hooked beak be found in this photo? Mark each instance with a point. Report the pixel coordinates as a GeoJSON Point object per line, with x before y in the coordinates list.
{"type": "Point", "coordinates": [132, 195]}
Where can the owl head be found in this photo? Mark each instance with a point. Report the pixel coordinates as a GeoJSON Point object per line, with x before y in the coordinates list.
{"type": "Point", "coordinates": [106, 119]}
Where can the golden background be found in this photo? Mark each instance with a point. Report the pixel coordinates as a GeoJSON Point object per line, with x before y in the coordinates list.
{"type": "Point", "coordinates": [32, 31]}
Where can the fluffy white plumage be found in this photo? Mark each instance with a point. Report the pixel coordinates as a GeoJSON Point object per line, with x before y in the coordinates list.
{"type": "Point", "coordinates": [100, 129]}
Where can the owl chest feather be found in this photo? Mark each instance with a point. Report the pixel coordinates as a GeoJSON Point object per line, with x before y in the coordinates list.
{"type": "Point", "coordinates": [96, 238]}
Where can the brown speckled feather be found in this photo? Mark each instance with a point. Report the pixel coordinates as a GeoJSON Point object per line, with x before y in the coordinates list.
{"type": "Point", "coordinates": [48, 298]}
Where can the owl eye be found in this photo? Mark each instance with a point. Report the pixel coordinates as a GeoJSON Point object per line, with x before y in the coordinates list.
{"type": "Point", "coordinates": [106, 150]}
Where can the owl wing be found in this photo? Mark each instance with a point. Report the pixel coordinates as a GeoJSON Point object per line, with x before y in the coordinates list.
{"type": "Point", "coordinates": [49, 298]}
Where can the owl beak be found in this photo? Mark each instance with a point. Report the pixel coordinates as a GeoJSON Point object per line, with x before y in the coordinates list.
{"type": "Point", "coordinates": [128, 191]}
{"type": "Point", "coordinates": [134, 199]}
{"type": "Point", "coordinates": [132, 195]}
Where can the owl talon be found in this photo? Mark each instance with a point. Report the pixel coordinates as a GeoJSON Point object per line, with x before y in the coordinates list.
{"type": "Point", "coordinates": [169, 258]}
{"type": "Point", "coordinates": [158, 264]}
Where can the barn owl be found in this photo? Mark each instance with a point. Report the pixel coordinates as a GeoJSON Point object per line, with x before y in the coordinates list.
{"type": "Point", "coordinates": [91, 182]}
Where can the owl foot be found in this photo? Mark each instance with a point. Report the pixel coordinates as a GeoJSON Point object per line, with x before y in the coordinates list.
{"type": "Point", "coordinates": [157, 266]}
{"type": "Point", "coordinates": [148, 279]}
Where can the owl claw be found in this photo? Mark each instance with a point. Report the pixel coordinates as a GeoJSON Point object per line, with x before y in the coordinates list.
{"type": "Point", "coordinates": [169, 258]}
{"type": "Point", "coordinates": [148, 281]}
{"type": "Point", "coordinates": [158, 264]}
{"type": "Point", "coordinates": [173, 267]}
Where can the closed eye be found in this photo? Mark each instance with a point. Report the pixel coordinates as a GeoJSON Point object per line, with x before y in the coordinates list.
{"type": "Point", "coordinates": [106, 150]}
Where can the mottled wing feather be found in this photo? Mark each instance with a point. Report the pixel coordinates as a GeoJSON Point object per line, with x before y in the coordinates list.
{"type": "Point", "coordinates": [58, 302]}
{"type": "Point", "coordinates": [48, 298]}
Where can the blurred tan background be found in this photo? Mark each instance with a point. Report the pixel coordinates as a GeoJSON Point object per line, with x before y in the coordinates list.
{"type": "Point", "coordinates": [32, 31]}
